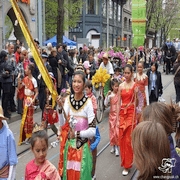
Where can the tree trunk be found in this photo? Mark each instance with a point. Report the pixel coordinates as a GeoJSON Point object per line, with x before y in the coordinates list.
{"type": "Point", "coordinates": [60, 21]}
{"type": "Point", "coordinates": [155, 38]}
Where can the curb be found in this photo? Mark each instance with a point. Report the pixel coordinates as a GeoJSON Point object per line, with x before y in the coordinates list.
{"type": "Point", "coordinates": [15, 116]}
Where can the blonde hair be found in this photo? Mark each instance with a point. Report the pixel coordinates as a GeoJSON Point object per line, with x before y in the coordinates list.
{"type": "Point", "coordinates": [150, 146]}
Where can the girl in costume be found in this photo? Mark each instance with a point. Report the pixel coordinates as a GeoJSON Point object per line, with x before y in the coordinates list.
{"type": "Point", "coordinates": [141, 80]}
{"type": "Point", "coordinates": [29, 84]}
{"type": "Point", "coordinates": [40, 168]}
{"type": "Point", "coordinates": [150, 147]}
{"type": "Point", "coordinates": [112, 99]}
{"type": "Point", "coordinates": [127, 105]}
{"type": "Point", "coordinates": [81, 119]}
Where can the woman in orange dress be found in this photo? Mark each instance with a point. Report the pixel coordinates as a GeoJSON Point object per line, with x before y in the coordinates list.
{"type": "Point", "coordinates": [127, 101]}
{"type": "Point", "coordinates": [29, 84]}
{"type": "Point", "coordinates": [141, 80]}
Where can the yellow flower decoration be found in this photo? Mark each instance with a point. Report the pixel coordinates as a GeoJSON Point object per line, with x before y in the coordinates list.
{"type": "Point", "coordinates": [100, 77]}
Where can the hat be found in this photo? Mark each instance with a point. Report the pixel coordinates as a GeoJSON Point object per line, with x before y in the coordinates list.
{"type": "Point", "coordinates": [44, 56]}
{"type": "Point", "coordinates": [105, 55]}
{"type": "Point", "coordinates": [2, 113]}
{"type": "Point", "coordinates": [37, 41]}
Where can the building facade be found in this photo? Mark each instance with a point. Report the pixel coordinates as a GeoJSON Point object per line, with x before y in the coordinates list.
{"type": "Point", "coordinates": [101, 23]}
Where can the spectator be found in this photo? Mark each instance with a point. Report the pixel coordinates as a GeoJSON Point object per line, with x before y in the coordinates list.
{"type": "Point", "coordinates": [177, 78]}
{"type": "Point", "coordinates": [150, 147]}
{"type": "Point", "coordinates": [155, 87]}
{"type": "Point", "coordinates": [17, 53]}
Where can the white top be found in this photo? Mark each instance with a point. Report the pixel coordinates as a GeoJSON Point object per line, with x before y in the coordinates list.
{"type": "Point", "coordinates": [85, 111]}
{"type": "Point", "coordinates": [108, 67]}
{"type": "Point", "coordinates": [27, 91]}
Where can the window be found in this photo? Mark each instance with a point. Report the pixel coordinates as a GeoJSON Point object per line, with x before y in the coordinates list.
{"type": "Point", "coordinates": [92, 7]}
{"type": "Point", "coordinates": [119, 13]}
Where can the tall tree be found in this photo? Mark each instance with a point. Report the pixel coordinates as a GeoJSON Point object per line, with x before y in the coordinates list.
{"type": "Point", "coordinates": [60, 15]}
{"type": "Point", "coordinates": [60, 21]}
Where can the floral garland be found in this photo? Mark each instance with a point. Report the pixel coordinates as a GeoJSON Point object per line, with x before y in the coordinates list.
{"type": "Point", "coordinates": [100, 78]}
{"type": "Point", "coordinates": [113, 53]}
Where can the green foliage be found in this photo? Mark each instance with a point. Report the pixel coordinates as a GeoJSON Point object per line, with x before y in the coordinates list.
{"type": "Point", "coordinates": [9, 27]}
{"type": "Point", "coordinates": [72, 9]}
{"type": "Point", "coordinates": [50, 17]}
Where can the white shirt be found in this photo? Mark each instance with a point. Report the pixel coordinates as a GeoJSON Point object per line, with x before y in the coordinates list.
{"type": "Point", "coordinates": [108, 67]}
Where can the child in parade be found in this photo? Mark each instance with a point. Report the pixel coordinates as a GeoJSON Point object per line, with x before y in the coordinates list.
{"type": "Point", "coordinates": [40, 167]}
{"type": "Point", "coordinates": [117, 75]}
{"type": "Point", "coordinates": [150, 147]}
{"type": "Point", "coordinates": [112, 99]}
{"type": "Point", "coordinates": [8, 156]}
{"type": "Point", "coordinates": [50, 116]}
{"type": "Point", "coordinates": [82, 127]}
{"type": "Point", "coordinates": [126, 108]}
{"type": "Point", "coordinates": [95, 140]}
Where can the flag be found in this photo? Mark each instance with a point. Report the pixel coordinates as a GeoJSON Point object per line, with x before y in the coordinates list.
{"type": "Point", "coordinates": [35, 52]}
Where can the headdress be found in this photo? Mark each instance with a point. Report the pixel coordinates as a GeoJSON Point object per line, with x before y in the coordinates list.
{"type": "Point", "coordinates": [79, 67]}
{"type": "Point", "coordinates": [105, 55]}
{"type": "Point", "coordinates": [37, 128]}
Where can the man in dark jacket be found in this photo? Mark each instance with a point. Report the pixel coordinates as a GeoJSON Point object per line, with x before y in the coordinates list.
{"type": "Point", "coordinates": [62, 65]}
{"type": "Point", "coordinates": [7, 82]}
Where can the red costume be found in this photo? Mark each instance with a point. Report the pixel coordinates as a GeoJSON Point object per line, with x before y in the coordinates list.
{"type": "Point", "coordinates": [127, 124]}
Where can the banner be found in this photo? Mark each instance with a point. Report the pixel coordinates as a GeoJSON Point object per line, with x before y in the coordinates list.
{"type": "Point", "coordinates": [35, 52]}
{"type": "Point", "coordinates": [138, 22]}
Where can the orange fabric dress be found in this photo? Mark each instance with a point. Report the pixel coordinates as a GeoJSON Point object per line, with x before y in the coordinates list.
{"type": "Point", "coordinates": [141, 82]}
{"type": "Point", "coordinates": [126, 126]}
{"type": "Point", "coordinates": [113, 124]}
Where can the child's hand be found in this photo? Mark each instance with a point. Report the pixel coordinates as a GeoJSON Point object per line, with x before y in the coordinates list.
{"type": "Point", "coordinates": [59, 101]}
{"type": "Point", "coordinates": [109, 92]}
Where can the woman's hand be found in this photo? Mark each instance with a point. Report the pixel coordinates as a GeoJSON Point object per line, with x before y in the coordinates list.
{"type": "Point", "coordinates": [71, 134]}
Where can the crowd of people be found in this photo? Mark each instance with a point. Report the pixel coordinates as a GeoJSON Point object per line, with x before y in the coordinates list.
{"type": "Point", "coordinates": [140, 127]}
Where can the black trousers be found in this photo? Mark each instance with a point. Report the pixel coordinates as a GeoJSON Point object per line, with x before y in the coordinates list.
{"type": "Point", "coordinates": [177, 88]}
{"type": "Point", "coordinates": [5, 101]}
{"type": "Point", "coordinates": [152, 97]}
{"type": "Point", "coordinates": [11, 98]}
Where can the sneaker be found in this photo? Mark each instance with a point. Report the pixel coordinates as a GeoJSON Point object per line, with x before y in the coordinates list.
{"type": "Point", "coordinates": [112, 150]}
{"type": "Point", "coordinates": [116, 152]}
{"type": "Point", "coordinates": [125, 172]}
{"type": "Point", "coordinates": [94, 177]}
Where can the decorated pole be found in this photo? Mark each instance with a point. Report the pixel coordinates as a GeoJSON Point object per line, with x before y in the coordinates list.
{"type": "Point", "coordinates": [138, 22]}
{"type": "Point", "coordinates": [35, 52]}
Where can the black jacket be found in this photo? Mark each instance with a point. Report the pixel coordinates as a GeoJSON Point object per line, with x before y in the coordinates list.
{"type": "Point", "coordinates": [63, 64]}
{"type": "Point", "coordinates": [158, 86]}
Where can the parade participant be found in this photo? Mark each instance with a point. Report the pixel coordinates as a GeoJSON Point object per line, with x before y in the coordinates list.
{"type": "Point", "coordinates": [50, 116]}
{"type": "Point", "coordinates": [148, 154]}
{"type": "Point", "coordinates": [29, 84]}
{"type": "Point", "coordinates": [106, 64]}
{"type": "Point", "coordinates": [80, 116]}
{"type": "Point", "coordinates": [8, 156]}
{"type": "Point", "coordinates": [94, 141]}
{"type": "Point", "coordinates": [39, 167]}
{"type": "Point", "coordinates": [141, 80]}
{"type": "Point", "coordinates": [112, 99]}
{"type": "Point", "coordinates": [117, 75]}
{"type": "Point", "coordinates": [127, 95]}
{"type": "Point", "coordinates": [168, 116]}
{"type": "Point", "coordinates": [155, 87]}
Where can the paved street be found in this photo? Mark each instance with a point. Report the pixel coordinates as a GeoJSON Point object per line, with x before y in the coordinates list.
{"type": "Point", "coordinates": [108, 166]}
